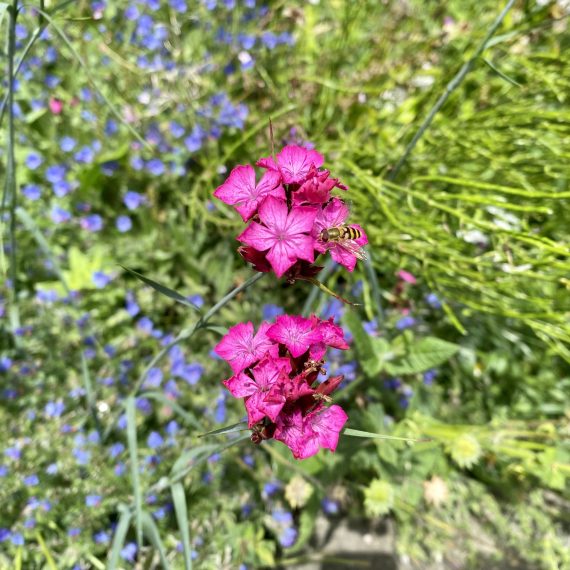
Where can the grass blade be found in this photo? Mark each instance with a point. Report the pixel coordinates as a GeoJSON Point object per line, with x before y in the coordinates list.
{"type": "Point", "coordinates": [368, 434]}
{"type": "Point", "coordinates": [170, 293]}
{"type": "Point", "coordinates": [240, 426]}
{"type": "Point", "coordinates": [119, 539]}
{"type": "Point", "coordinates": [153, 534]}
{"type": "Point", "coordinates": [43, 546]}
{"type": "Point", "coordinates": [130, 407]}
{"type": "Point", "coordinates": [181, 510]}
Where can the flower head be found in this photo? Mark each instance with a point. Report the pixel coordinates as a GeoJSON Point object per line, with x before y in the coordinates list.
{"type": "Point", "coordinates": [241, 347]}
{"type": "Point", "coordinates": [293, 163]}
{"type": "Point", "coordinates": [240, 190]}
{"type": "Point", "coordinates": [284, 235]}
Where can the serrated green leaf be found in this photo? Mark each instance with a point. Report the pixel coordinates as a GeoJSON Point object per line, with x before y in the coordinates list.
{"type": "Point", "coordinates": [170, 293]}
{"type": "Point", "coordinates": [421, 355]}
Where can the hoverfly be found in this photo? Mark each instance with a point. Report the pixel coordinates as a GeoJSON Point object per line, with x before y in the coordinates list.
{"type": "Point", "coordinates": [344, 237]}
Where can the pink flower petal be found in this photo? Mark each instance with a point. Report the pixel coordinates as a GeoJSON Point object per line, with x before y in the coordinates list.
{"type": "Point", "coordinates": [295, 332]}
{"type": "Point", "coordinates": [327, 425]}
{"type": "Point", "coordinates": [241, 385]}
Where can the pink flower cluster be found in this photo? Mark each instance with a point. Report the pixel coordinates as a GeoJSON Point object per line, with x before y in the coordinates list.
{"type": "Point", "coordinates": [275, 370]}
{"type": "Point", "coordinates": [291, 211]}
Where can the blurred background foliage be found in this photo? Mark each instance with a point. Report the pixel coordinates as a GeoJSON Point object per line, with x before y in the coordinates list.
{"type": "Point", "coordinates": [126, 117]}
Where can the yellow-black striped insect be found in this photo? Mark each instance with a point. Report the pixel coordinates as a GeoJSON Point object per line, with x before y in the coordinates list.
{"type": "Point", "coordinates": [344, 237]}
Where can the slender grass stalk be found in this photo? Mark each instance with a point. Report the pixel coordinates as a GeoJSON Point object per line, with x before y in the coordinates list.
{"type": "Point", "coordinates": [449, 89]}
{"type": "Point", "coordinates": [130, 406]}
{"type": "Point", "coordinates": [10, 190]}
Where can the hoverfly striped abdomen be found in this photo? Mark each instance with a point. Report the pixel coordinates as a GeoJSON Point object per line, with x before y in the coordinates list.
{"type": "Point", "coordinates": [340, 233]}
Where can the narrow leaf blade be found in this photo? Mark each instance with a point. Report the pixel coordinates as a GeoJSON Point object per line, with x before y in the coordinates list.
{"type": "Point", "coordinates": [181, 510]}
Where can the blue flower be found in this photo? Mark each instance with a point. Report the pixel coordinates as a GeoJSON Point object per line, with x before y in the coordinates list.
{"type": "Point", "coordinates": [271, 487]}
{"type": "Point", "coordinates": [101, 279]}
{"type": "Point", "coordinates": [270, 311]}
{"type": "Point", "coordinates": [143, 404]}
{"type": "Point", "coordinates": [288, 537]}
{"type": "Point", "coordinates": [192, 373]}
{"type": "Point", "coordinates": [54, 409]}
{"type": "Point", "coordinates": [5, 534]}
{"type": "Point", "coordinates": [63, 188]}
{"type": "Point", "coordinates": [116, 449]}
{"type": "Point", "coordinates": [59, 215]}
{"type": "Point", "coordinates": [4, 470]}
{"type": "Point", "coordinates": [75, 531]}
{"type": "Point", "coordinates": [133, 200]}
{"type": "Point", "coordinates": [333, 308]}
{"type": "Point", "coordinates": [67, 144]}
{"type": "Point", "coordinates": [154, 440]}
{"type": "Point", "coordinates": [101, 537]}
{"type": "Point", "coordinates": [433, 301]}
{"type": "Point", "coordinates": [194, 141]}
{"type": "Point", "coordinates": [176, 129]}
{"type": "Point", "coordinates": [282, 517]}
{"type": "Point", "coordinates": [32, 191]}
{"type": "Point", "coordinates": [405, 323]}
{"type": "Point", "coordinates": [129, 552]}
{"type": "Point", "coordinates": [429, 377]}
{"type": "Point", "coordinates": [85, 155]}
{"type": "Point", "coordinates": [17, 539]}
{"type": "Point", "coordinates": [51, 469]}
{"type": "Point", "coordinates": [34, 160]}
{"type": "Point", "coordinates": [145, 325]}
{"type": "Point", "coordinates": [155, 166]}
{"type": "Point", "coordinates": [123, 224]}
{"type": "Point", "coordinates": [92, 223]}
{"type": "Point", "coordinates": [82, 457]}
{"type": "Point", "coordinates": [198, 300]}
{"type": "Point", "coordinates": [153, 378]}
{"type": "Point", "coordinates": [269, 40]}
{"type": "Point", "coordinates": [31, 480]}
{"type": "Point", "coordinates": [120, 469]}
{"type": "Point", "coordinates": [56, 173]}
{"type": "Point", "coordinates": [92, 500]}
{"type": "Point", "coordinates": [172, 428]}
{"type": "Point", "coordinates": [131, 306]}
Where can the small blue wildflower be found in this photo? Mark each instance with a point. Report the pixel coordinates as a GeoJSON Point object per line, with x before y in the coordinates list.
{"type": "Point", "coordinates": [94, 437]}
{"type": "Point", "coordinates": [145, 325]}
{"type": "Point", "coordinates": [282, 517]}
{"type": "Point", "coordinates": [333, 308]}
{"type": "Point", "coordinates": [194, 141]}
{"type": "Point", "coordinates": [111, 127]}
{"type": "Point", "coordinates": [270, 311]}
{"type": "Point", "coordinates": [144, 405]}
{"type": "Point", "coordinates": [154, 440]}
{"type": "Point", "coordinates": [198, 300]}
{"type": "Point", "coordinates": [67, 144]}
{"type": "Point", "coordinates": [51, 469]}
{"type": "Point", "coordinates": [172, 428]}
{"type": "Point", "coordinates": [56, 173]}
{"type": "Point", "coordinates": [54, 409]}
{"type": "Point", "coordinates": [92, 223]}
{"type": "Point", "coordinates": [4, 470]}
{"type": "Point", "coordinates": [171, 389]}
{"type": "Point", "coordinates": [288, 537]}
{"type": "Point", "coordinates": [32, 191]}
{"type": "Point", "coordinates": [405, 323]}
{"type": "Point", "coordinates": [92, 500]}
{"type": "Point", "coordinates": [153, 378]}
{"type": "Point", "coordinates": [269, 40]}
{"type": "Point", "coordinates": [155, 166]}
{"type": "Point", "coordinates": [133, 200]}
{"type": "Point", "coordinates": [74, 531]}
{"type": "Point", "coordinates": [249, 460]}
{"type": "Point", "coordinates": [85, 155]}
{"type": "Point", "coordinates": [101, 279]}
{"type": "Point", "coordinates": [101, 537]}
{"type": "Point", "coordinates": [433, 301]}
{"type": "Point", "coordinates": [17, 539]}
{"type": "Point", "coordinates": [429, 377]}
{"type": "Point", "coordinates": [63, 188]}
{"type": "Point", "coordinates": [123, 224]}
{"type": "Point", "coordinates": [120, 469]}
{"type": "Point", "coordinates": [5, 534]}
{"type": "Point", "coordinates": [271, 487]}
{"type": "Point", "coordinates": [31, 480]}
{"type": "Point", "coordinates": [34, 160]}
{"type": "Point", "coordinates": [176, 129]}
{"type": "Point", "coordinates": [192, 373]}
{"type": "Point", "coordinates": [82, 457]}
{"type": "Point", "coordinates": [116, 449]}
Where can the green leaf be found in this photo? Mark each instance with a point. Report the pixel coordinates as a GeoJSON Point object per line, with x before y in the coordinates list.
{"type": "Point", "coordinates": [421, 355]}
{"type": "Point", "coordinates": [133, 454]}
{"type": "Point", "coordinates": [181, 510]}
{"type": "Point", "coordinates": [162, 289]}
{"type": "Point", "coordinates": [187, 416]}
{"type": "Point", "coordinates": [152, 533]}
{"type": "Point", "coordinates": [192, 457]}
{"type": "Point", "coordinates": [119, 539]}
{"type": "Point", "coordinates": [43, 546]}
{"type": "Point", "coordinates": [240, 426]}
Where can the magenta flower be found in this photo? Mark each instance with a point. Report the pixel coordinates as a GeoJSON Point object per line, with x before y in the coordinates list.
{"type": "Point", "coordinates": [317, 188]}
{"type": "Point", "coordinates": [331, 336]}
{"type": "Point", "coordinates": [296, 333]}
{"type": "Point", "coordinates": [333, 215]}
{"type": "Point", "coordinates": [283, 234]}
{"type": "Point", "coordinates": [262, 391]}
{"type": "Point", "coordinates": [306, 435]}
{"type": "Point", "coordinates": [241, 348]}
{"type": "Point", "coordinates": [240, 191]}
{"type": "Point", "coordinates": [293, 163]}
